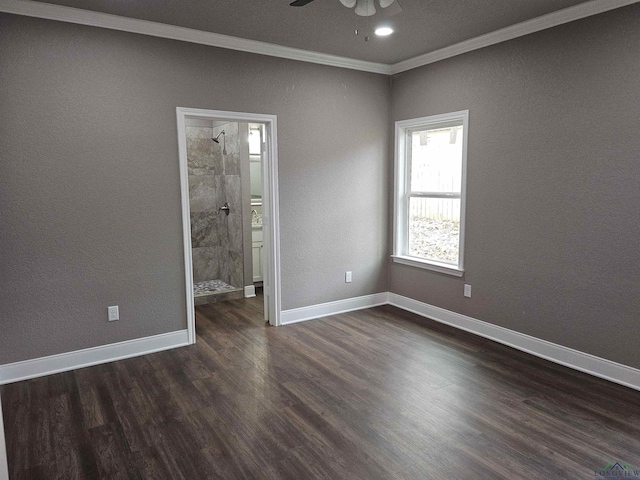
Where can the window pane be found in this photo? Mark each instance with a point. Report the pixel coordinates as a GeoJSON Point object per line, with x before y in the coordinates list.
{"type": "Point", "coordinates": [254, 142]}
{"type": "Point", "coordinates": [434, 229]}
{"type": "Point", "coordinates": [436, 159]}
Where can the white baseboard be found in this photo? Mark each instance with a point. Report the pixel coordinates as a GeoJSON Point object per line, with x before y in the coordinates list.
{"type": "Point", "coordinates": [332, 308]}
{"type": "Point", "coordinates": [38, 367]}
{"type": "Point", "coordinates": [4, 464]}
{"type": "Point", "coordinates": [249, 291]}
{"type": "Point", "coordinates": [584, 362]}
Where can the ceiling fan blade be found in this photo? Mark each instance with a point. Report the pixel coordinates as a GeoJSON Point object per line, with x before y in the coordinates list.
{"type": "Point", "coordinates": [365, 8]}
{"type": "Point", "coordinates": [392, 9]}
{"type": "Point", "coordinates": [348, 3]}
{"type": "Point", "coordinates": [300, 3]}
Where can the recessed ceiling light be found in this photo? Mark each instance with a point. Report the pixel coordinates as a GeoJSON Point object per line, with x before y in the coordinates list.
{"type": "Point", "coordinates": [384, 31]}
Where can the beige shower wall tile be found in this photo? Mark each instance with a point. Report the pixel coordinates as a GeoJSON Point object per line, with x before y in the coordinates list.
{"type": "Point", "coordinates": [203, 192]}
{"type": "Point", "coordinates": [206, 263]}
{"type": "Point", "coordinates": [198, 132]}
{"type": "Point", "coordinates": [204, 157]}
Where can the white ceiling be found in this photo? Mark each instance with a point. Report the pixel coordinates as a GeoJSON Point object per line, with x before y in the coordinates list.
{"type": "Point", "coordinates": [426, 31]}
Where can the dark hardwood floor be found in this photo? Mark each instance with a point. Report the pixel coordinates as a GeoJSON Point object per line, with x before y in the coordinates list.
{"type": "Point", "coordinates": [373, 394]}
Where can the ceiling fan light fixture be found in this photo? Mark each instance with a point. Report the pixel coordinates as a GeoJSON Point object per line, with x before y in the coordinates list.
{"type": "Point", "coordinates": [364, 8]}
{"type": "Point", "coordinates": [384, 31]}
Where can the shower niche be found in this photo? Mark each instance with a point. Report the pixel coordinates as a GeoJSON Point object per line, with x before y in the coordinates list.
{"type": "Point", "coordinates": [215, 151]}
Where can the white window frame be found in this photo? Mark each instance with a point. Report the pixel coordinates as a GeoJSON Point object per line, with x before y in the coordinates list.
{"type": "Point", "coordinates": [402, 182]}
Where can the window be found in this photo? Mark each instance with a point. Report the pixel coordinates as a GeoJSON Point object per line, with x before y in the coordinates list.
{"type": "Point", "coordinates": [254, 140]}
{"type": "Point", "coordinates": [430, 171]}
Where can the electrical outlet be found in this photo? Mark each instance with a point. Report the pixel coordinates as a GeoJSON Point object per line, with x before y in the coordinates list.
{"type": "Point", "coordinates": [467, 290]}
{"type": "Point", "coordinates": [114, 313]}
{"type": "Point", "coordinates": [347, 277]}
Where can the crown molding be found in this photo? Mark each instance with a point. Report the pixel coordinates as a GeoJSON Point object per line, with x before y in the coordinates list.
{"type": "Point", "coordinates": [114, 22]}
{"type": "Point", "coordinates": [521, 29]}
{"type": "Point", "coordinates": [78, 16]}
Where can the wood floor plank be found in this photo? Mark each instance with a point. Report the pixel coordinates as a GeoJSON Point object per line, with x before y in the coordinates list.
{"type": "Point", "coordinates": [113, 457]}
{"type": "Point", "coordinates": [41, 449]}
{"type": "Point", "coordinates": [374, 394]}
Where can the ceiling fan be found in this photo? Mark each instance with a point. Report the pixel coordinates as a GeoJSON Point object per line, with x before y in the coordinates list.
{"type": "Point", "coordinates": [364, 8]}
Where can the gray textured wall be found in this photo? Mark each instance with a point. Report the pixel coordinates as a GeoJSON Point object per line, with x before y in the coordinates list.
{"type": "Point", "coordinates": [553, 196]}
{"type": "Point", "coordinates": [89, 182]}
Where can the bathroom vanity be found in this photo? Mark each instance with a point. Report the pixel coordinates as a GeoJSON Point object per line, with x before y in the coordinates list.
{"type": "Point", "coordinates": [256, 250]}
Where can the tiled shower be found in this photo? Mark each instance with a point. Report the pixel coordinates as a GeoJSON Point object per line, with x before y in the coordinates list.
{"type": "Point", "coordinates": [216, 238]}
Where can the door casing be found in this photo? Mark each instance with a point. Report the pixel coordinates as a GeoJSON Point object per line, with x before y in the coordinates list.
{"type": "Point", "coordinates": [270, 208]}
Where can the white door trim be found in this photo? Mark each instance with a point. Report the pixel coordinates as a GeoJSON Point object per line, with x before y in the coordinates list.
{"type": "Point", "coordinates": [270, 201]}
{"type": "Point", "coordinates": [4, 464]}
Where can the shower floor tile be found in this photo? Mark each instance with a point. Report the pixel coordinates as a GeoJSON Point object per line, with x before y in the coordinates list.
{"type": "Point", "coordinates": [211, 286]}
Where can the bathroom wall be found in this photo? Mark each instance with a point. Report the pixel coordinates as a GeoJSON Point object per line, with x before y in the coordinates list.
{"type": "Point", "coordinates": [214, 178]}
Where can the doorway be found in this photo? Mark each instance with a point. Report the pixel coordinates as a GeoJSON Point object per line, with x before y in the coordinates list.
{"type": "Point", "coordinates": [227, 209]}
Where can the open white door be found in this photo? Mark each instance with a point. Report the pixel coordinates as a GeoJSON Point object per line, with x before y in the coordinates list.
{"type": "Point", "coordinates": [265, 223]}
{"type": "Point", "coordinates": [270, 266]}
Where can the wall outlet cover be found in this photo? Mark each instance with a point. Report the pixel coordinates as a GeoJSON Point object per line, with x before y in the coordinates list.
{"type": "Point", "coordinates": [114, 313]}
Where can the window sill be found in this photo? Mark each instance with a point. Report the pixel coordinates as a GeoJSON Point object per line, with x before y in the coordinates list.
{"type": "Point", "coordinates": [428, 265]}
